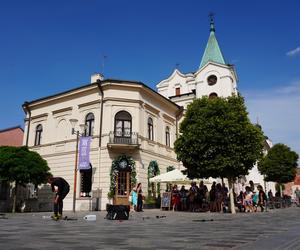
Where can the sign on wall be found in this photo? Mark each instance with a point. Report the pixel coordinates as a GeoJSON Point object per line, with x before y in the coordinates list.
{"type": "Point", "coordinates": [84, 152]}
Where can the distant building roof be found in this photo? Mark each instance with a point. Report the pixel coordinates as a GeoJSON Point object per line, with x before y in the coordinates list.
{"type": "Point", "coordinates": [11, 136]}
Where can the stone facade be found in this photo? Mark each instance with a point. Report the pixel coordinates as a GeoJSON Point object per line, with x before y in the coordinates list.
{"type": "Point", "coordinates": [104, 100]}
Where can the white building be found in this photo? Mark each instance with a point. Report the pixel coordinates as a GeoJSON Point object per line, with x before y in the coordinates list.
{"type": "Point", "coordinates": [213, 78]}
{"type": "Point", "coordinates": [129, 123]}
{"type": "Point", "coordinates": [133, 128]}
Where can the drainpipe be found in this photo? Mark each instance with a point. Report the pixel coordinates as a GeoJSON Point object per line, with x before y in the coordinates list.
{"type": "Point", "coordinates": [26, 109]}
{"type": "Point", "coordinates": [101, 111]}
{"type": "Point", "coordinates": [100, 139]}
{"type": "Point", "coordinates": [178, 114]}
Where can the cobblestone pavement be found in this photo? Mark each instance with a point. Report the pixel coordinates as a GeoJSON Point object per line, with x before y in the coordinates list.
{"type": "Point", "coordinates": [154, 229]}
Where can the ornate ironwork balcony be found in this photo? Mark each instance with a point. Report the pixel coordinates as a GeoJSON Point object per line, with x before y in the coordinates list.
{"type": "Point", "coordinates": [121, 139]}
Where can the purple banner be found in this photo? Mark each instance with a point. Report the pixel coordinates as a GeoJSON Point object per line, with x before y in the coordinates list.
{"type": "Point", "coordinates": [84, 152]}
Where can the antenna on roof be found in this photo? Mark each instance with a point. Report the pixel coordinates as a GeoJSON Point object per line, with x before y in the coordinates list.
{"type": "Point", "coordinates": [104, 57]}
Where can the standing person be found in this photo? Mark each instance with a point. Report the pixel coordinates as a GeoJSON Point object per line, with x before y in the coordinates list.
{"type": "Point", "coordinates": [183, 198]}
{"type": "Point", "coordinates": [175, 198]}
{"type": "Point", "coordinates": [134, 198]}
{"type": "Point", "coordinates": [61, 188]}
{"type": "Point", "coordinates": [248, 202]}
{"type": "Point", "coordinates": [262, 198]}
{"type": "Point", "coordinates": [251, 184]}
{"type": "Point", "coordinates": [139, 198]}
{"type": "Point", "coordinates": [297, 196]}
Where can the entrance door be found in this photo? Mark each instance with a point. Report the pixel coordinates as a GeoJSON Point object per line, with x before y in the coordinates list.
{"type": "Point", "coordinates": [123, 188]}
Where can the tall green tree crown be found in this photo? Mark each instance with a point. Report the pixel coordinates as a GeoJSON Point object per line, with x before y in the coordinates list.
{"type": "Point", "coordinates": [279, 164]}
{"type": "Point", "coordinates": [23, 166]}
{"type": "Point", "coordinates": [217, 139]}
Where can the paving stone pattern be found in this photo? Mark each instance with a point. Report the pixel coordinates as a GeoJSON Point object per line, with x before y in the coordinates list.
{"type": "Point", "coordinates": [154, 229]}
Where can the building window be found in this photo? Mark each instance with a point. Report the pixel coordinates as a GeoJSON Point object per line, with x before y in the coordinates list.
{"type": "Point", "coordinates": [38, 135]}
{"type": "Point", "coordinates": [89, 122]}
{"type": "Point", "coordinates": [150, 129]}
{"type": "Point", "coordinates": [177, 91]}
{"type": "Point", "coordinates": [212, 95]}
{"type": "Point", "coordinates": [123, 124]}
{"type": "Point", "coordinates": [212, 80]}
{"type": "Point", "coordinates": [168, 136]}
{"type": "Point", "coordinates": [86, 182]}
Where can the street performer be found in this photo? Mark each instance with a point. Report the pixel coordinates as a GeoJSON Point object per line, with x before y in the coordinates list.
{"type": "Point", "coordinates": [61, 188]}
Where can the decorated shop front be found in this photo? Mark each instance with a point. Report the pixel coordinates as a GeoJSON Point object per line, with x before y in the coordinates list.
{"type": "Point", "coordinates": [122, 179]}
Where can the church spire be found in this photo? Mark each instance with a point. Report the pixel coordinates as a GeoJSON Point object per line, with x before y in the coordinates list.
{"type": "Point", "coordinates": [212, 51]}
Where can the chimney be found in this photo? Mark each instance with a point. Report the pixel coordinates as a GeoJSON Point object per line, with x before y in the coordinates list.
{"type": "Point", "coordinates": [96, 76]}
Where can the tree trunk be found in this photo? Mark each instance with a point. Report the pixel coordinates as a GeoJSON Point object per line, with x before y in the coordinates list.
{"type": "Point", "coordinates": [281, 196]}
{"type": "Point", "coordinates": [232, 206]}
{"type": "Point", "coordinates": [14, 198]}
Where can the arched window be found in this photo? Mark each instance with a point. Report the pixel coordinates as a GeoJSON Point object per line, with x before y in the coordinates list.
{"type": "Point", "coordinates": [123, 124]}
{"type": "Point", "coordinates": [212, 95]}
{"type": "Point", "coordinates": [38, 135]}
{"type": "Point", "coordinates": [89, 122]}
{"type": "Point", "coordinates": [168, 136]}
{"type": "Point", "coordinates": [150, 129]}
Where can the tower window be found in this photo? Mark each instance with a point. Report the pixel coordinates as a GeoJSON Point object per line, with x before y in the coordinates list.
{"type": "Point", "coordinates": [177, 91]}
{"type": "Point", "coordinates": [212, 95]}
{"type": "Point", "coordinates": [212, 80]}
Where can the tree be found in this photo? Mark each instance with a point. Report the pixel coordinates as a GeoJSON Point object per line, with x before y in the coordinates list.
{"type": "Point", "coordinates": [279, 164]}
{"type": "Point", "coordinates": [218, 140]}
{"type": "Point", "coordinates": [19, 165]}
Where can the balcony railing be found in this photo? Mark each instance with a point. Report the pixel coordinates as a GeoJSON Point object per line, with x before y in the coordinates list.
{"type": "Point", "coordinates": [116, 137]}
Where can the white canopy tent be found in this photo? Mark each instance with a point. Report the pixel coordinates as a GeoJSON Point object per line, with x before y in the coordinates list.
{"type": "Point", "coordinates": [176, 176]}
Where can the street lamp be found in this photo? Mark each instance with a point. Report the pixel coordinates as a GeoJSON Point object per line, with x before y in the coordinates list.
{"type": "Point", "coordinates": [78, 134]}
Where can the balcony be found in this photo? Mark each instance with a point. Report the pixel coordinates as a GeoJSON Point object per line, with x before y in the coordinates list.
{"type": "Point", "coordinates": [123, 140]}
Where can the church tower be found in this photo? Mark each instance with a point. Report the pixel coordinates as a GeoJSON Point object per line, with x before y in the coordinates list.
{"type": "Point", "coordinates": [213, 78]}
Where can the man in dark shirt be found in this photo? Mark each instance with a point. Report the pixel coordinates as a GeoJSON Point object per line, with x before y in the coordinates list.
{"type": "Point", "coordinates": [61, 188]}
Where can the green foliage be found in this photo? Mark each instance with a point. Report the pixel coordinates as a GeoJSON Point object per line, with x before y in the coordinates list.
{"type": "Point", "coordinates": [153, 170]}
{"type": "Point", "coordinates": [150, 200]}
{"type": "Point", "coordinates": [279, 164]}
{"type": "Point", "coordinates": [170, 168]}
{"type": "Point", "coordinates": [115, 170]}
{"type": "Point", "coordinates": [23, 166]}
{"type": "Point", "coordinates": [217, 139]}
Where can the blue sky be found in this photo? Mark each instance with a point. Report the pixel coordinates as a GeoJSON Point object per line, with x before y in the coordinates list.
{"type": "Point", "coordinates": [52, 46]}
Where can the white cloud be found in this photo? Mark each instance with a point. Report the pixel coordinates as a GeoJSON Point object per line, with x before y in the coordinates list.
{"type": "Point", "coordinates": [293, 52]}
{"type": "Point", "coordinates": [293, 88]}
{"type": "Point", "coordinates": [278, 113]}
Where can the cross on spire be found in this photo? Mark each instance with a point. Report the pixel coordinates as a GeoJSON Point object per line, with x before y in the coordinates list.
{"type": "Point", "coordinates": [212, 22]}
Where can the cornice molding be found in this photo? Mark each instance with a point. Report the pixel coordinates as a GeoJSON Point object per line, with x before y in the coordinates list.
{"type": "Point", "coordinates": [54, 112]}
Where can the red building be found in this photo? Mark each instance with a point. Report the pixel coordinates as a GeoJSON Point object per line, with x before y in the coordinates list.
{"type": "Point", "coordinates": [289, 188]}
{"type": "Point", "coordinates": [11, 136]}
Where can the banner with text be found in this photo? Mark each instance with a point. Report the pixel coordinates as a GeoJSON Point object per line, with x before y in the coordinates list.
{"type": "Point", "coordinates": [84, 152]}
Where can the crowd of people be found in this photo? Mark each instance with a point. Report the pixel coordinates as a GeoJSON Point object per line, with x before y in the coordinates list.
{"type": "Point", "coordinates": [199, 198]}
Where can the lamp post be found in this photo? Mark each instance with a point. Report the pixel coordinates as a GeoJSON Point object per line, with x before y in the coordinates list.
{"type": "Point", "coordinates": [78, 134]}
